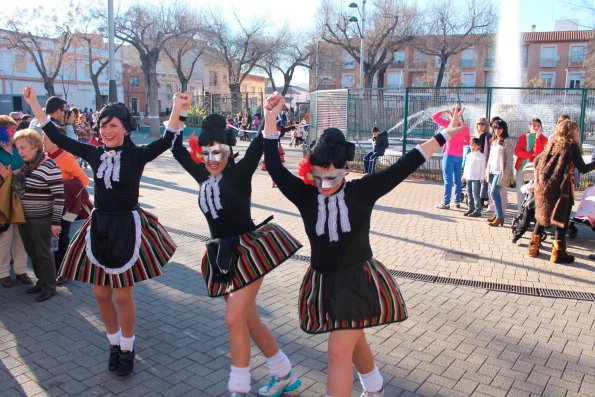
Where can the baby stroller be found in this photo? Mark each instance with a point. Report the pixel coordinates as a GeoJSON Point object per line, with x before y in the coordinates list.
{"type": "Point", "coordinates": [526, 218]}
{"type": "Point", "coordinates": [585, 213]}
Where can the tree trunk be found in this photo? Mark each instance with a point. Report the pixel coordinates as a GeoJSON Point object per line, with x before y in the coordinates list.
{"type": "Point", "coordinates": [48, 84]}
{"type": "Point", "coordinates": [98, 98]}
{"type": "Point", "coordinates": [236, 97]}
{"type": "Point", "coordinates": [440, 77]}
{"type": "Point", "coordinates": [149, 67]}
{"type": "Point", "coordinates": [368, 79]}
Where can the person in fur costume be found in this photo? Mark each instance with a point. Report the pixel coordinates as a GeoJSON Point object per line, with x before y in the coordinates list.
{"type": "Point", "coordinates": [554, 188]}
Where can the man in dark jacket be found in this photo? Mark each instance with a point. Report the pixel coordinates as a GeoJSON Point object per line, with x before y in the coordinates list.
{"type": "Point", "coordinates": [380, 144]}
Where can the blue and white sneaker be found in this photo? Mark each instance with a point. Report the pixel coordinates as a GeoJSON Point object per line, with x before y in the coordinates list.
{"type": "Point", "coordinates": [277, 386]}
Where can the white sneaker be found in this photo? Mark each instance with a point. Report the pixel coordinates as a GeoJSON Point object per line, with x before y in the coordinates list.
{"type": "Point", "coordinates": [236, 394]}
{"type": "Point", "coordinates": [277, 386]}
{"type": "Point", "coordinates": [373, 393]}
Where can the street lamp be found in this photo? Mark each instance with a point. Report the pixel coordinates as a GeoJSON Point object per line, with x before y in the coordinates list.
{"type": "Point", "coordinates": [362, 36]}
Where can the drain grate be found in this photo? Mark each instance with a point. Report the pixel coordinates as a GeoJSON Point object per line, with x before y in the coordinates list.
{"type": "Point", "coordinates": [515, 289]}
{"type": "Point", "coordinates": [428, 278]}
{"type": "Point", "coordinates": [186, 233]}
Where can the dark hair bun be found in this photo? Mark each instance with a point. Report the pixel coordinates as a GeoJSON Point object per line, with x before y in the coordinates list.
{"type": "Point", "coordinates": [333, 136]}
{"type": "Point", "coordinates": [214, 122]}
{"type": "Point", "coordinates": [332, 148]}
{"type": "Point", "coordinates": [231, 137]}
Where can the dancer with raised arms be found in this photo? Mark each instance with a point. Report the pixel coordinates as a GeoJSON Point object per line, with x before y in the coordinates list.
{"type": "Point", "coordinates": [240, 253]}
{"type": "Point", "coordinates": [120, 244]}
{"type": "Point", "coordinates": [345, 289]}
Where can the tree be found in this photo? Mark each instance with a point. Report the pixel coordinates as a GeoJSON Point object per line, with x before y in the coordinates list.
{"type": "Point", "coordinates": [448, 33]}
{"type": "Point", "coordinates": [388, 27]}
{"type": "Point", "coordinates": [239, 49]}
{"type": "Point", "coordinates": [149, 28]}
{"type": "Point", "coordinates": [46, 36]}
{"type": "Point", "coordinates": [183, 54]}
{"type": "Point", "coordinates": [292, 56]}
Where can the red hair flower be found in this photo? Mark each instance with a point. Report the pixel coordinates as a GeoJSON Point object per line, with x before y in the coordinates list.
{"type": "Point", "coordinates": [305, 172]}
{"type": "Point", "coordinates": [195, 149]}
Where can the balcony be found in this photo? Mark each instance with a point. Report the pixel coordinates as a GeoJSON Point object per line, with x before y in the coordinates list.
{"type": "Point", "coordinates": [418, 64]}
{"type": "Point", "coordinates": [576, 62]}
{"type": "Point", "coordinates": [548, 62]}
{"type": "Point", "coordinates": [399, 64]}
{"type": "Point", "coordinates": [467, 63]}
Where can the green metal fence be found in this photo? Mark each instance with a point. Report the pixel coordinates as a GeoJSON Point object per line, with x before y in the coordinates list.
{"type": "Point", "coordinates": [406, 113]}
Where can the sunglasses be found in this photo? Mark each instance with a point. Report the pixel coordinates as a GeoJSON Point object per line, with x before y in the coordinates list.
{"type": "Point", "coordinates": [481, 123]}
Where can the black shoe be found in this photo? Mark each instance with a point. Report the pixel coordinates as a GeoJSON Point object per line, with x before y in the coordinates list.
{"type": "Point", "coordinates": [467, 213]}
{"type": "Point", "coordinates": [44, 296]}
{"type": "Point", "coordinates": [126, 363]}
{"type": "Point", "coordinates": [114, 358]}
{"type": "Point", "coordinates": [33, 290]}
{"type": "Point", "coordinates": [475, 215]}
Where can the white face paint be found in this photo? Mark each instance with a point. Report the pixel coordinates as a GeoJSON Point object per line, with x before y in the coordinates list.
{"type": "Point", "coordinates": [217, 152]}
{"type": "Point", "coordinates": [329, 179]}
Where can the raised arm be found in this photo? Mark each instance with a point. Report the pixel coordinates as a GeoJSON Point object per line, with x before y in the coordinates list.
{"type": "Point", "coordinates": [251, 158]}
{"type": "Point", "coordinates": [197, 171]}
{"type": "Point", "coordinates": [290, 185]}
{"type": "Point", "coordinates": [174, 126]}
{"type": "Point", "coordinates": [437, 118]}
{"type": "Point", "coordinates": [70, 145]}
{"type": "Point", "coordinates": [381, 182]}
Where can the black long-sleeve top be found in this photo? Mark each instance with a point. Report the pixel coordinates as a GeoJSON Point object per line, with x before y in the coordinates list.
{"type": "Point", "coordinates": [381, 142]}
{"type": "Point", "coordinates": [123, 195]}
{"type": "Point", "coordinates": [360, 195]}
{"type": "Point", "coordinates": [235, 186]}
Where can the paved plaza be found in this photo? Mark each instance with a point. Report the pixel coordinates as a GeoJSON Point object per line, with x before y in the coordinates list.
{"type": "Point", "coordinates": [462, 337]}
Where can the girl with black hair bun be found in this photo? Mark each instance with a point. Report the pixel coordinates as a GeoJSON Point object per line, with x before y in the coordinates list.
{"type": "Point", "coordinates": [120, 244]}
{"type": "Point", "coordinates": [344, 289]}
{"type": "Point", "coordinates": [240, 253]}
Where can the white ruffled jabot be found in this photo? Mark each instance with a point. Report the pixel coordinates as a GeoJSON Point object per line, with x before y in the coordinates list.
{"type": "Point", "coordinates": [109, 169]}
{"type": "Point", "coordinates": [336, 204]}
{"type": "Point", "coordinates": [210, 196]}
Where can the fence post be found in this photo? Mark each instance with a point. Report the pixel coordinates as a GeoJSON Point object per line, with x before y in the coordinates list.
{"type": "Point", "coordinates": [581, 121]}
{"type": "Point", "coordinates": [347, 115]}
{"type": "Point", "coordinates": [405, 121]}
{"type": "Point", "coordinates": [489, 104]}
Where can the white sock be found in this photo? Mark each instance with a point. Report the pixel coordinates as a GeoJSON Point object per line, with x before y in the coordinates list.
{"type": "Point", "coordinates": [114, 339]}
{"type": "Point", "coordinates": [372, 381]}
{"type": "Point", "coordinates": [279, 364]}
{"type": "Point", "coordinates": [127, 344]}
{"type": "Point", "coordinates": [239, 379]}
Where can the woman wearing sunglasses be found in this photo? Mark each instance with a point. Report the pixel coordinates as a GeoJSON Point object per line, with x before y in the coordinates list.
{"type": "Point", "coordinates": [345, 289]}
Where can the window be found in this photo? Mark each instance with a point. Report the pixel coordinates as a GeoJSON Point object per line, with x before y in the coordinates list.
{"type": "Point", "coordinates": [577, 55]}
{"type": "Point", "coordinates": [468, 79]}
{"type": "Point", "coordinates": [213, 78]}
{"type": "Point", "coordinates": [468, 58]}
{"type": "Point", "coordinates": [490, 58]}
{"type": "Point", "coordinates": [399, 58]}
{"type": "Point", "coordinates": [134, 81]}
{"type": "Point", "coordinates": [419, 60]}
{"type": "Point", "coordinates": [134, 105]}
{"type": "Point", "coordinates": [525, 55]}
{"type": "Point", "coordinates": [394, 79]}
{"type": "Point", "coordinates": [549, 78]}
{"type": "Point", "coordinates": [348, 80]}
{"type": "Point", "coordinates": [575, 80]}
{"type": "Point", "coordinates": [548, 57]}
{"type": "Point", "coordinates": [348, 61]}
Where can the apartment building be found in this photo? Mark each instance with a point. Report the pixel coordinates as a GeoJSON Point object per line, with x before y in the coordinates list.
{"type": "Point", "coordinates": [550, 59]}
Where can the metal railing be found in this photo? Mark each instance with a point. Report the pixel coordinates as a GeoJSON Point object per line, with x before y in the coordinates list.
{"type": "Point", "coordinates": [406, 112]}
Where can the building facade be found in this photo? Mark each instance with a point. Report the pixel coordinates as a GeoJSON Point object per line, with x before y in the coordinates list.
{"type": "Point", "coordinates": [72, 83]}
{"type": "Point", "coordinates": [549, 59]}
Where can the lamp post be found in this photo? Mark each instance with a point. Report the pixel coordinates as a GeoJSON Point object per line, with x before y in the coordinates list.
{"type": "Point", "coordinates": [362, 36]}
{"type": "Point", "coordinates": [113, 93]}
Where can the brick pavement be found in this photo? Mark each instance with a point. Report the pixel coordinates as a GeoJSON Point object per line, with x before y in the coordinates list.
{"type": "Point", "coordinates": [458, 340]}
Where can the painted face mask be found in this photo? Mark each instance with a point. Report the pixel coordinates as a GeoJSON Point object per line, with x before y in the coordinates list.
{"type": "Point", "coordinates": [216, 152]}
{"type": "Point", "coordinates": [329, 179]}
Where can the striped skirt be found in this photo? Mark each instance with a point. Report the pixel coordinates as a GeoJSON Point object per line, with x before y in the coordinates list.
{"type": "Point", "coordinates": [156, 248]}
{"type": "Point", "coordinates": [365, 295]}
{"type": "Point", "coordinates": [259, 252]}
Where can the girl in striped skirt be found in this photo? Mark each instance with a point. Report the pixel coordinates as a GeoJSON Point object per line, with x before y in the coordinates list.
{"type": "Point", "coordinates": [345, 289]}
{"type": "Point", "coordinates": [120, 244]}
{"type": "Point", "coordinates": [240, 253]}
